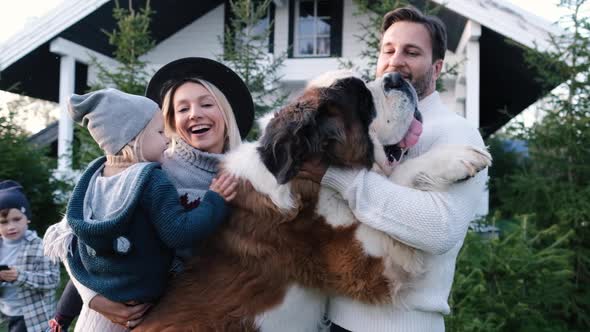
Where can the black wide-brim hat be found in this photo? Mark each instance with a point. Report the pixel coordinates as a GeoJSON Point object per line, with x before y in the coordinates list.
{"type": "Point", "coordinates": [225, 79]}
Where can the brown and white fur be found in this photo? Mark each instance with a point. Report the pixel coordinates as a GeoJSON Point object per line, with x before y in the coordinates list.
{"type": "Point", "coordinates": [290, 243]}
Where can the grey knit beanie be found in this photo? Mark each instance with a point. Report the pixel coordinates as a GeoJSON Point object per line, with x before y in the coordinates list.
{"type": "Point", "coordinates": [113, 117]}
{"type": "Point", "coordinates": [13, 197]}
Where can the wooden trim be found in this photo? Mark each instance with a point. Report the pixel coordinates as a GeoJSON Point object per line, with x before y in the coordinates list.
{"type": "Point", "coordinates": [336, 30]}
{"type": "Point", "coordinates": [47, 27]}
{"type": "Point", "coordinates": [291, 28]}
{"type": "Point", "coordinates": [271, 20]}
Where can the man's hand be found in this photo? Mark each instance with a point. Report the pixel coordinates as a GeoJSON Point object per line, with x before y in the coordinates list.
{"type": "Point", "coordinates": [313, 170]}
{"type": "Point", "coordinates": [128, 315]}
{"type": "Point", "coordinates": [9, 275]}
{"type": "Point", "coordinates": [225, 185]}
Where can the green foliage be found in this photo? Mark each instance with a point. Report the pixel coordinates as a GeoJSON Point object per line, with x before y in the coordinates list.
{"type": "Point", "coordinates": [30, 166]}
{"type": "Point", "coordinates": [551, 189]}
{"type": "Point", "coordinates": [519, 282]}
{"type": "Point", "coordinates": [554, 188]}
{"type": "Point", "coordinates": [245, 45]}
{"type": "Point", "coordinates": [506, 163]}
{"type": "Point", "coordinates": [131, 39]}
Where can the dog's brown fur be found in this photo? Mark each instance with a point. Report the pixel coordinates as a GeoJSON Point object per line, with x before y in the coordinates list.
{"type": "Point", "coordinates": [247, 267]}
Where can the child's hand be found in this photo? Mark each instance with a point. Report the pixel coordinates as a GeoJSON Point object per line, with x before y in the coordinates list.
{"type": "Point", "coordinates": [9, 275]}
{"type": "Point", "coordinates": [225, 185]}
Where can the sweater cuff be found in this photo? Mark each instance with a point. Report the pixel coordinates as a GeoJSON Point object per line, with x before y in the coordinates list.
{"type": "Point", "coordinates": [339, 179]}
{"type": "Point", "coordinates": [214, 198]}
{"type": "Point", "coordinates": [218, 202]}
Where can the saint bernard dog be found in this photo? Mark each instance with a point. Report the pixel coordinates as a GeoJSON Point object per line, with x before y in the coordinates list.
{"type": "Point", "coordinates": [290, 243]}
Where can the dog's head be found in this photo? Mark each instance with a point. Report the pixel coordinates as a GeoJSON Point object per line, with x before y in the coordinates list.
{"type": "Point", "coordinates": [396, 107]}
{"type": "Point", "coordinates": [334, 120]}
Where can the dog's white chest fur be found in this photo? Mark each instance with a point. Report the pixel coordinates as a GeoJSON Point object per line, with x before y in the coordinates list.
{"type": "Point", "coordinates": [301, 311]}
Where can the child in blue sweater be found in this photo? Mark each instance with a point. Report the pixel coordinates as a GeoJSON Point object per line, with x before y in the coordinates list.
{"type": "Point", "coordinates": [124, 211]}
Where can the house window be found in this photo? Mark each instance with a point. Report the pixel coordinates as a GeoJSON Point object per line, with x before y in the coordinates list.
{"type": "Point", "coordinates": [315, 28]}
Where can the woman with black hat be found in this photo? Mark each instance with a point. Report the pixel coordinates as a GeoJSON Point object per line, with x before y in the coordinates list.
{"type": "Point", "coordinates": [208, 110]}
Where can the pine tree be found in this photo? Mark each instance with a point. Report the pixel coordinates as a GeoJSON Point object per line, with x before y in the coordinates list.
{"type": "Point", "coordinates": [554, 189]}
{"type": "Point", "coordinates": [246, 51]}
{"type": "Point", "coordinates": [131, 39]}
{"type": "Point", "coordinates": [519, 282]}
{"type": "Point", "coordinates": [29, 165]}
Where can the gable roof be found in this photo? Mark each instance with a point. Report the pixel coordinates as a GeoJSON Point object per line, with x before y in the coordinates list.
{"type": "Point", "coordinates": [25, 58]}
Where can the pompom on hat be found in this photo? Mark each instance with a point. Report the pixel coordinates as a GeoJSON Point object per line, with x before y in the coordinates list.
{"type": "Point", "coordinates": [13, 197]}
{"type": "Point", "coordinates": [225, 79]}
{"type": "Point", "coordinates": [112, 117]}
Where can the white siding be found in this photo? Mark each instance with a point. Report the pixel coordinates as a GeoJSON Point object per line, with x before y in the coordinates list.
{"type": "Point", "coordinates": [200, 38]}
{"type": "Point", "coordinates": [281, 28]}
{"type": "Point", "coordinates": [303, 69]}
{"type": "Point", "coordinates": [351, 28]}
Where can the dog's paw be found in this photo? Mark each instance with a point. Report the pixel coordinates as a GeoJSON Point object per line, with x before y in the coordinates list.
{"type": "Point", "coordinates": [437, 169]}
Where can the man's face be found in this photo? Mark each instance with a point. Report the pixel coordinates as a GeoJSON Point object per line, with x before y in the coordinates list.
{"type": "Point", "coordinates": [406, 48]}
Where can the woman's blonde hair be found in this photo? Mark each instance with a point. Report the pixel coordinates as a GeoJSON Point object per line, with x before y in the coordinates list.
{"type": "Point", "coordinates": [232, 132]}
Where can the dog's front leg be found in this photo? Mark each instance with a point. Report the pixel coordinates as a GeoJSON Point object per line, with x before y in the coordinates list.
{"type": "Point", "coordinates": [440, 167]}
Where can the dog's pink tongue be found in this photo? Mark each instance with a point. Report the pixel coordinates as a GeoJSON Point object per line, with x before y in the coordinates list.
{"type": "Point", "coordinates": [412, 135]}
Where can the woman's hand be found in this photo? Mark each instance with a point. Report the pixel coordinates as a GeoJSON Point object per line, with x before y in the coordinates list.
{"type": "Point", "coordinates": [128, 314]}
{"type": "Point", "coordinates": [225, 185]}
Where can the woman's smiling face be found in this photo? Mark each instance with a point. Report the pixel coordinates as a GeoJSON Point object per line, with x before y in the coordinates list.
{"type": "Point", "coordinates": [198, 119]}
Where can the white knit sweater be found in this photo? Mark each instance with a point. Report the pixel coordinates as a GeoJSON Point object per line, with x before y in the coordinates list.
{"type": "Point", "coordinates": [434, 222]}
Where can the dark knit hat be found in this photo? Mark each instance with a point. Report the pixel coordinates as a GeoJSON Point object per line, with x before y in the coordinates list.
{"type": "Point", "coordinates": [113, 117]}
{"type": "Point", "coordinates": [13, 197]}
{"type": "Point", "coordinates": [225, 79]}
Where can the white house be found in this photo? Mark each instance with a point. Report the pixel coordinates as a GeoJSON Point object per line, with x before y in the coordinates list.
{"type": "Point", "coordinates": [51, 59]}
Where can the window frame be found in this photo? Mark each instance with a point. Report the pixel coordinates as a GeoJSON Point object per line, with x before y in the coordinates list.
{"type": "Point", "coordinates": [336, 17]}
{"type": "Point", "coordinates": [315, 35]}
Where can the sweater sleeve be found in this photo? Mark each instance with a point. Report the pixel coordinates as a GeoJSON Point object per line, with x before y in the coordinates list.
{"type": "Point", "coordinates": [434, 222]}
{"type": "Point", "coordinates": [177, 226]}
{"type": "Point", "coordinates": [430, 221]}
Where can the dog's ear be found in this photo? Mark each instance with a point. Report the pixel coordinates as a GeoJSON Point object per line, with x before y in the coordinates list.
{"type": "Point", "coordinates": [291, 137]}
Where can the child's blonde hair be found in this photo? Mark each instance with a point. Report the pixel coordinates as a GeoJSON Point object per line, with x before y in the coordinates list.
{"type": "Point", "coordinates": [132, 152]}
{"type": "Point", "coordinates": [232, 132]}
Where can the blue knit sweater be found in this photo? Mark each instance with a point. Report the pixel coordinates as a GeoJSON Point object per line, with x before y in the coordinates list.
{"type": "Point", "coordinates": [127, 256]}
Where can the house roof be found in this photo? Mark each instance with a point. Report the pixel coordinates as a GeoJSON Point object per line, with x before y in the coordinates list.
{"type": "Point", "coordinates": [26, 59]}
{"type": "Point", "coordinates": [507, 86]}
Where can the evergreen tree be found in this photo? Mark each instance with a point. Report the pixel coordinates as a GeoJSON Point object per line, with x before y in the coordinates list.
{"type": "Point", "coordinates": [131, 39]}
{"type": "Point", "coordinates": [32, 168]}
{"type": "Point", "coordinates": [246, 51]}
{"type": "Point", "coordinates": [554, 189]}
{"type": "Point", "coordinates": [518, 283]}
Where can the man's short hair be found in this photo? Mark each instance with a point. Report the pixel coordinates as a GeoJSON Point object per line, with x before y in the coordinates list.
{"type": "Point", "coordinates": [436, 27]}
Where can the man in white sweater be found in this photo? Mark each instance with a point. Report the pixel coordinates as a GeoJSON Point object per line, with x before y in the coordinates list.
{"type": "Point", "coordinates": [435, 222]}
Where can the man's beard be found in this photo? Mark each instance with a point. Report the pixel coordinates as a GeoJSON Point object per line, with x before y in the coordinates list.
{"type": "Point", "coordinates": [422, 83]}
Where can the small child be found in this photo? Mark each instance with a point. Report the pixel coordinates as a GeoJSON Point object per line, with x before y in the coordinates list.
{"type": "Point", "coordinates": [28, 278]}
{"type": "Point", "coordinates": [124, 211]}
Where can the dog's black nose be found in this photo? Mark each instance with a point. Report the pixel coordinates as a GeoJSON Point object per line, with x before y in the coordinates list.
{"type": "Point", "coordinates": [393, 81]}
